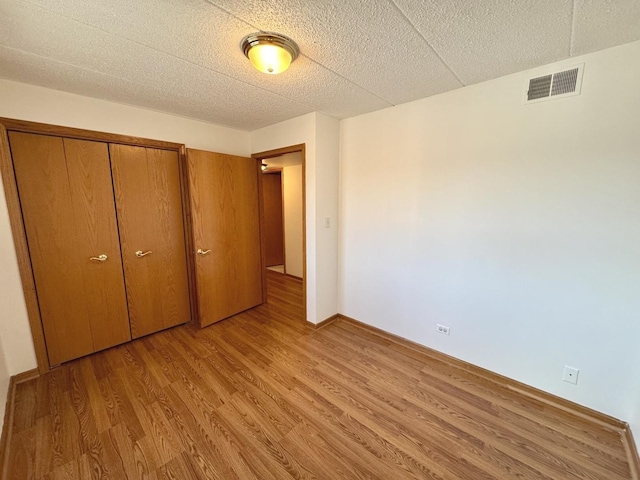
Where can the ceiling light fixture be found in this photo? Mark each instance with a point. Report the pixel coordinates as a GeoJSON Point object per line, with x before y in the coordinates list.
{"type": "Point", "coordinates": [269, 52]}
{"type": "Point", "coordinates": [264, 166]}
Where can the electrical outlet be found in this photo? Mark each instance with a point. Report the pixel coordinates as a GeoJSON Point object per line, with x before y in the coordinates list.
{"type": "Point", "coordinates": [570, 374]}
{"type": "Point", "coordinates": [443, 329]}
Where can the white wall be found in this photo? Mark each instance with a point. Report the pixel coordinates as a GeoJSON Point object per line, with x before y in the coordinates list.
{"type": "Point", "coordinates": [516, 225]}
{"type": "Point", "coordinates": [320, 134]}
{"type": "Point", "coordinates": [17, 354]}
{"type": "Point", "coordinates": [27, 102]}
{"type": "Point", "coordinates": [292, 201]}
{"type": "Point", "coordinates": [15, 333]}
{"type": "Point", "coordinates": [634, 420]}
{"type": "Point", "coordinates": [4, 383]}
{"type": "Point", "coordinates": [327, 171]}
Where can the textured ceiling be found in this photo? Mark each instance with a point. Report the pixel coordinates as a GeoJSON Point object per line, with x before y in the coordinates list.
{"type": "Point", "coordinates": [183, 56]}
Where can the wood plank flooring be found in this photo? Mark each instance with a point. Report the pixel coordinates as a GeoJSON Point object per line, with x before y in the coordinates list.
{"type": "Point", "coordinates": [262, 395]}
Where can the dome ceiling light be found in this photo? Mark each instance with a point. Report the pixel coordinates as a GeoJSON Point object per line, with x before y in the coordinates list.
{"type": "Point", "coordinates": [269, 52]}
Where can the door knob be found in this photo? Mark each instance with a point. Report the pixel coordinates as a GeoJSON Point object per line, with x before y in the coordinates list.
{"type": "Point", "coordinates": [99, 258]}
{"type": "Point", "coordinates": [203, 252]}
{"type": "Point", "coordinates": [141, 254]}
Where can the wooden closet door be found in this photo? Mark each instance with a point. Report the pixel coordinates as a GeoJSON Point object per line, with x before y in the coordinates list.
{"type": "Point", "coordinates": [69, 215]}
{"type": "Point", "coordinates": [226, 228]}
{"type": "Point", "coordinates": [149, 204]}
{"type": "Point", "coordinates": [273, 221]}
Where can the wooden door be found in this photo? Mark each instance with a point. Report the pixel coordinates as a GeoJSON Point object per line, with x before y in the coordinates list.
{"type": "Point", "coordinates": [69, 216]}
{"type": "Point", "coordinates": [273, 224]}
{"type": "Point", "coordinates": [226, 230]}
{"type": "Point", "coordinates": [149, 204]}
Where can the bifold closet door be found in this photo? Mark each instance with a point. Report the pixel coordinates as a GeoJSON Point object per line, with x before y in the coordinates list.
{"type": "Point", "coordinates": [149, 203]}
{"type": "Point", "coordinates": [225, 211]}
{"type": "Point", "coordinates": [69, 215]}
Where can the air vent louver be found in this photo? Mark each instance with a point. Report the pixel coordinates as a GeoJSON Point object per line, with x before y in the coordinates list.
{"type": "Point", "coordinates": [564, 82]}
{"type": "Point", "coordinates": [539, 87]}
{"type": "Point", "coordinates": [555, 85]}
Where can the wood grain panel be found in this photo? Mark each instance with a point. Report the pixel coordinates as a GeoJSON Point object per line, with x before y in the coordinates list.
{"type": "Point", "coordinates": [96, 232]}
{"type": "Point", "coordinates": [225, 216]}
{"type": "Point", "coordinates": [67, 204]}
{"type": "Point", "coordinates": [22, 251]}
{"type": "Point", "coordinates": [264, 396]}
{"type": "Point", "coordinates": [188, 230]}
{"type": "Point", "coordinates": [149, 204]}
{"type": "Point", "coordinates": [81, 134]}
{"type": "Point", "coordinates": [273, 220]}
{"type": "Point", "coordinates": [632, 452]}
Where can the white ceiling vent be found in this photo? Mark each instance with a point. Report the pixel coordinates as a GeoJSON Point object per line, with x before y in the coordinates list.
{"type": "Point", "coordinates": [554, 85]}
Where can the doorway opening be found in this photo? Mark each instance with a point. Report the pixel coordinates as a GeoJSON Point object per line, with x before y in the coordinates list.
{"type": "Point", "coordinates": [283, 214]}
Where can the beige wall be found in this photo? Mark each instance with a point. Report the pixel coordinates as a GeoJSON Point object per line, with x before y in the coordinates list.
{"type": "Point", "coordinates": [15, 333]}
{"type": "Point", "coordinates": [327, 170]}
{"type": "Point", "coordinates": [320, 134]}
{"type": "Point", "coordinates": [292, 199]}
{"type": "Point", "coordinates": [284, 134]}
{"type": "Point", "coordinates": [516, 225]}
{"type": "Point", "coordinates": [28, 102]}
{"type": "Point", "coordinates": [4, 381]}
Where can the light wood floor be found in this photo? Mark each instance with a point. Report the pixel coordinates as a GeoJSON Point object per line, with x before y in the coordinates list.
{"type": "Point", "coordinates": [264, 396]}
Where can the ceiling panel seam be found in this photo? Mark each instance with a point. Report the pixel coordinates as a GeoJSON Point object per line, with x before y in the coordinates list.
{"type": "Point", "coordinates": [302, 54]}
{"type": "Point", "coordinates": [573, 27]}
{"type": "Point", "coordinates": [76, 66]}
{"type": "Point", "coordinates": [140, 85]}
{"type": "Point", "coordinates": [155, 50]}
{"type": "Point", "coordinates": [119, 78]}
{"type": "Point", "coordinates": [184, 55]}
{"type": "Point", "coordinates": [436, 53]}
{"type": "Point", "coordinates": [110, 100]}
{"type": "Point", "coordinates": [231, 14]}
{"type": "Point", "coordinates": [388, 102]}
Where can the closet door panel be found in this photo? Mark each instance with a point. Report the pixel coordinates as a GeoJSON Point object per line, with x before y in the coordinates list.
{"type": "Point", "coordinates": [226, 221]}
{"type": "Point", "coordinates": [69, 216]}
{"type": "Point", "coordinates": [149, 204]}
{"type": "Point", "coordinates": [95, 219]}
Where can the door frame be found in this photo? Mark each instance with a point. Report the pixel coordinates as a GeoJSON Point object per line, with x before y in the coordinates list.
{"type": "Point", "coordinates": [17, 225]}
{"type": "Point", "coordinates": [260, 156]}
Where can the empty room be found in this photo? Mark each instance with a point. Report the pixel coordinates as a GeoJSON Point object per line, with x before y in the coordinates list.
{"type": "Point", "coordinates": [273, 239]}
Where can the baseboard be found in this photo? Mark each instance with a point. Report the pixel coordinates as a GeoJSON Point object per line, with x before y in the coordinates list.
{"type": "Point", "coordinates": [325, 322]}
{"type": "Point", "coordinates": [540, 395]}
{"type": "Point", "coordinates": [295, 277]}
{"type": "Point", "coordinates": [25, 376]}
{"type": "Point", "coordinates": [9, 410]}
{"type": "Point", "coordinates": [632, 453]}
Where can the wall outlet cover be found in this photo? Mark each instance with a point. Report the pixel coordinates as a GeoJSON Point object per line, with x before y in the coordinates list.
{"type": "Point", "coordinates": [443, 329]}
{"type": "Point", "coordinates": [570, 374]}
